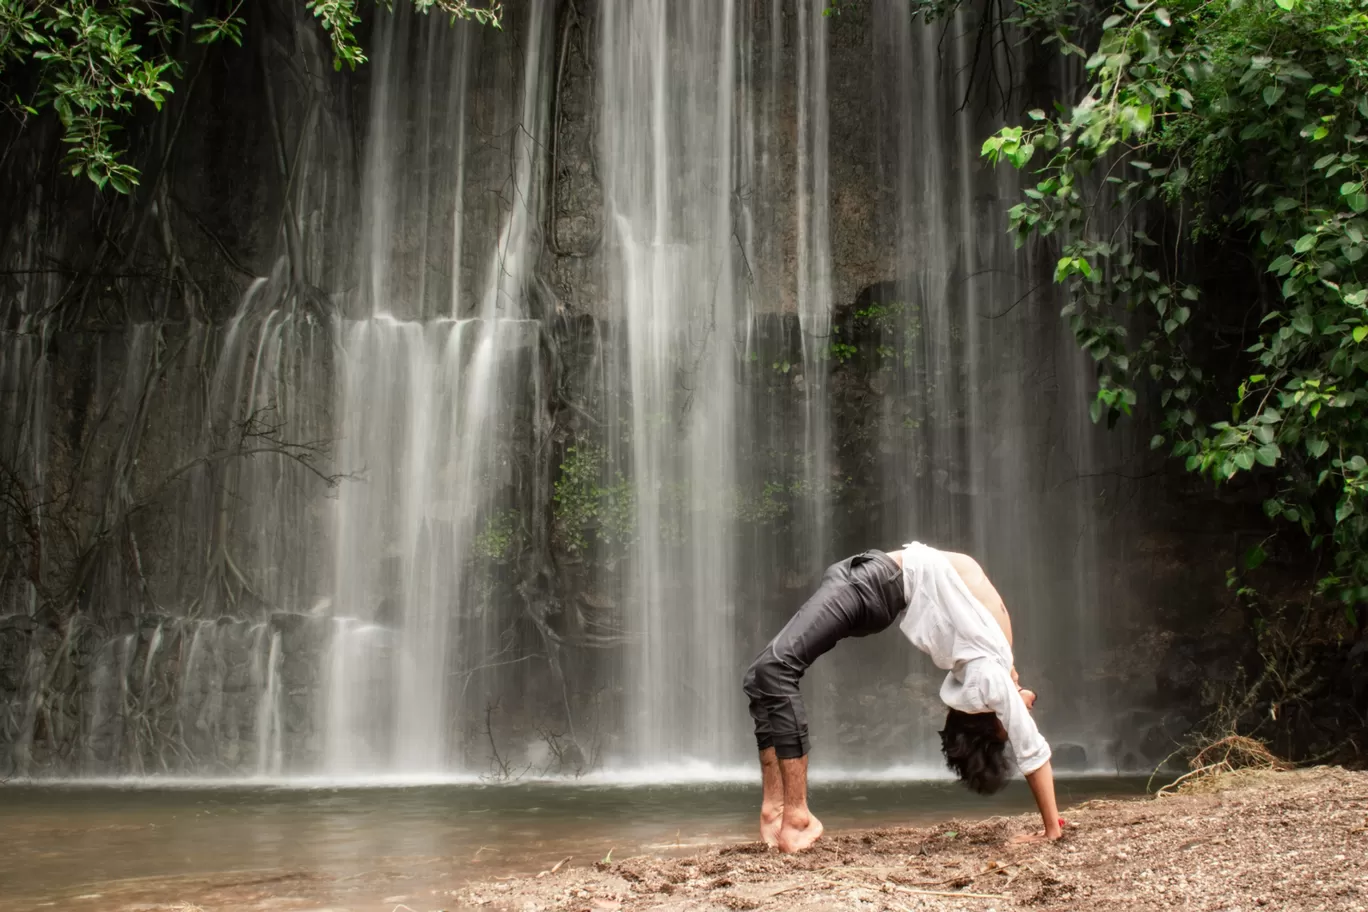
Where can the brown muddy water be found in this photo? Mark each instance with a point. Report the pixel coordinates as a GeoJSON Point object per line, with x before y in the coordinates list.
{"type": "Point", "coordinates": [247, 846]}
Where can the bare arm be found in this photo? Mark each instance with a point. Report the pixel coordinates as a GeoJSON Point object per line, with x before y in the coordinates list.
{"type": "Point", "coordinates": [1041, 782]}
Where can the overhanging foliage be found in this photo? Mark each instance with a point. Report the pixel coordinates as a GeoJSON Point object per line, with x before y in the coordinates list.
{"type": "Point", "coordinates": [93, 61]}
{"type": "Point", "coordinates": [1240, 124]}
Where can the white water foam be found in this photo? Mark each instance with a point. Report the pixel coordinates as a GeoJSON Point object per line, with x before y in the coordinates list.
{"type": "Point", "coordinates": [686, 773]}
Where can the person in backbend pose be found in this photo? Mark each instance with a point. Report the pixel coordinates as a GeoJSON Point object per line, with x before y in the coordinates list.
{"type": "Point", "coordinates": [951, 612]}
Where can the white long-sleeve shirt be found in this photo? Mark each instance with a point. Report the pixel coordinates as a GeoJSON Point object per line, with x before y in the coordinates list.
{"type": "Point", "coordinates": [945, 621]}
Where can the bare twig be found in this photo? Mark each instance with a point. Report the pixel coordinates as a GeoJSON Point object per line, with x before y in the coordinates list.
{"type": "Point", "coordinates": [952, 893]}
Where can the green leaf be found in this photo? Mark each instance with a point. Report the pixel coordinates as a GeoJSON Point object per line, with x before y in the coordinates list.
{"type": "Point", "coordinates": [1286, 4]}
{"type": "Point", "coordinates": [1067, 266]}
{"type": "Point", "coordinates": [1268, 454]}
{"type": "Point", "coordinates": [1317, 446]}
{"type": "Point", "coordinates": [1144, 118]}
{"type": "Point", "coordinates": [1305, 243]}
{"type": "Point", "coordinates": [1162, 16]}
{"type": "Point", "coordinates": [1245, 459]}
{"type": "Point", "coordinates": [1303, 324]}
{"type": "Point", "coordinates": [1272, 93]}
{"type": "Point", "coordinates": [1360, 333]}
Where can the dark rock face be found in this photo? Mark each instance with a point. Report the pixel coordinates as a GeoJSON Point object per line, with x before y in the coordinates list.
{"type": "Point", "coordinates": [1069, 757]}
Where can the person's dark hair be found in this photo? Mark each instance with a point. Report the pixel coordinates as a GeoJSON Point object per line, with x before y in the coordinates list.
{"type": "Point", "coordinates": [974, 750]}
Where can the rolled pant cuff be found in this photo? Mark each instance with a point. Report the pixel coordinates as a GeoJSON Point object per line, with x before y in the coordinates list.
{"type": "Point", "coordinates": [791, 749]}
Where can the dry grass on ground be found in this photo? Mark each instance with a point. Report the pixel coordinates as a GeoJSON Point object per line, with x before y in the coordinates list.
{"type": "Point", "coordinates": [1250, 839]}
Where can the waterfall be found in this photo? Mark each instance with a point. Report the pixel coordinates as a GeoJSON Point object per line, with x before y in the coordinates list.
{"type": "Point", "coordinates": [426, 385]}
{"type": "Point", "coordinates": [982, 383]}
{"type": "Point", "coordinates": [420, 407]}
{"type": "Point", "coordinates": [343, 500]}
{"type": "Point", "coordinates": [815, 292]}
{"type": "Point", "coordinates": [25, 391]}
{"type": "Point", "coordinates": [669, 74]}
{"type": "Point", "coordinates": [269, 725]}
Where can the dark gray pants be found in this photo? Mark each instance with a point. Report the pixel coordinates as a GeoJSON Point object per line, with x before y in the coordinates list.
{"type": "Point", "coordinates": [858, 596]}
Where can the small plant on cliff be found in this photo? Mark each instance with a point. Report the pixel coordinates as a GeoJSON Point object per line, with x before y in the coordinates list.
{"type": "Point", "coordinates": [91, 62]}
{"type": "Point", "coordinates": [767, 506]}
{"type": "Point", "coordinates": [586, 506]}
{"type": "Point", "coordinates": [497, 541]}
{"type": "Point", "coordinates": [890, 329]}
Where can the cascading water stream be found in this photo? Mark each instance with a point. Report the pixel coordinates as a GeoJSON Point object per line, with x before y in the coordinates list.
{"type": "Point", "coordinates": [815, 292]}
{"type": "Point", "coordinates": [269, 726]}
{"type": "Point", "coordinates": [420, 396]}
{"type": "Point", "coordinates": [669, 75]}
{"type": "Point", "coordinates": [408, 612]}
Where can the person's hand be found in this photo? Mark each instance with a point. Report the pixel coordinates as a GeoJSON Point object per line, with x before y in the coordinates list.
{"type": "Point", "coordinates": [1028, 697]}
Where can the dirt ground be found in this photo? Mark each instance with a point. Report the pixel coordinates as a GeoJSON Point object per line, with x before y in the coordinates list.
{"type": "Point", "coordinates": [1242, 841]}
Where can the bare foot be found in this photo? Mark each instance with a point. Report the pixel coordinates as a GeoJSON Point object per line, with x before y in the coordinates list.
{"type": "Point", "coordinates": [1031, 839]}
{"type": "Point", "coordinates": [799, 832]}
{"type": "Point", "coordinates": [771, 821]}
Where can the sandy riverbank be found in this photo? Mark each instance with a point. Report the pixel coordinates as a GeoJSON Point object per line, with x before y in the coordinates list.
{"type": "Point", "coordinates": [1284, 841]}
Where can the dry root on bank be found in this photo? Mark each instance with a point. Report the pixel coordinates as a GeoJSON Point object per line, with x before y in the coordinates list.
{"type": "Point", "coordinates": [1231, 755]}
